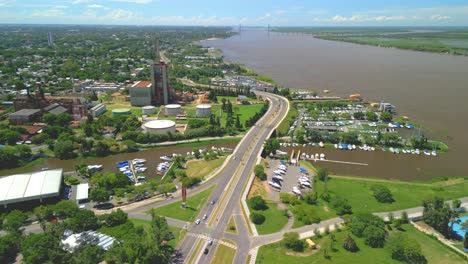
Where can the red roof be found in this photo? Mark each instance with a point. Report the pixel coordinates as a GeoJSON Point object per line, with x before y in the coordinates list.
{"type": "Point", "coordinates": [33, 129]}
{"type": "Point", "coordinates": [142, 84]}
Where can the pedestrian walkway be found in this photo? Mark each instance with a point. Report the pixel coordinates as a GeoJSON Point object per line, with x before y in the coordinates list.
{"type": "Point", "coordinates": [205, 237]}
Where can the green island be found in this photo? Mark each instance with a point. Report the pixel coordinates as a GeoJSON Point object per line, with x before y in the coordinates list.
{"type": "Point", "coordinates": [447, 40]}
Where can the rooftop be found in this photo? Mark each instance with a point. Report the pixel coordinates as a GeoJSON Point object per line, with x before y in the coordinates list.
{"type": "Point", "coordinates": [24, 112]}
{"type": "Point", "coordinates": [24, 187]}
{"type": "Point", "coordinates": [142, 84]}
{"type": "Point", "coordinates": [58, 110]}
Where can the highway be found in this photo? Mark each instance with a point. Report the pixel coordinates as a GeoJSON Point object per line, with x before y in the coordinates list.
{"type": "Point", "coordinates": [230, 185]}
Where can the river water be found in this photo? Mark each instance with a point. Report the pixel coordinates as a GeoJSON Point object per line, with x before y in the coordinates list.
{"type": "Point", "coordinates": [432, 89]}
{"type": "Point", "coordinates": [152, 157]}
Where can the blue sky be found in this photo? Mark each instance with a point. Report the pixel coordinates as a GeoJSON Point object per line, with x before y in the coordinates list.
{"type": "Point", "coordinates": [234, 12]}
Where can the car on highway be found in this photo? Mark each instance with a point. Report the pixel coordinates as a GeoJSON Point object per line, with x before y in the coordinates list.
{"type": "Point", "coordinates": [210, 242]}
{"type": "Point", "coordinates": [206, 251]}
{"type": "Point", "coordinates": [213, 202]}
{"type": "Point", "coordinates": [197, 221]}
{"type": "Point", "coordinates": [204, 217]}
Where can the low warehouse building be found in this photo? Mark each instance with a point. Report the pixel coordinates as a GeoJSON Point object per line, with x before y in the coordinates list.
{"type": "Point", "coordinates": [25, 116]}
{"type": "Point", "coordinates": [25, 187]}
{"type": "Point", "coordinates": [159, 126]}
{"type": "Point", "coordinates": [172, 109]}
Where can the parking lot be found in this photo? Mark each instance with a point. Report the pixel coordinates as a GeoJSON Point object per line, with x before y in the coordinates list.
{"type": "Point", "coordinates": [290, 179]}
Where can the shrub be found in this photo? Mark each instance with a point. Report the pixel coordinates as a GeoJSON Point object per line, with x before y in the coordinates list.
{"type": "Point", "coordinates": [310, 197]}
{"type": "Point", "coordinates": [257, 218]}
{"type": "Point", "coordinates": [322, 173]}
{"type": "Point", "coordinates": [405, 249]}
{"type": "Point", "coordinates": [341, 205]}
{"type": "Point", "coordinates": [349, 244]}
{"type": "Point", "coordinates": [257, 203]}
{"type": "Point", "coordinates": [260, 172]}
{"type": "Point", "coordinates": [291, 240]}
{"type": "Point", "coordinates": [359, 222]}
{"type": "Point", "coordinates": [375, 237]}
{"type": "Point", "coordinates": [382, 194]}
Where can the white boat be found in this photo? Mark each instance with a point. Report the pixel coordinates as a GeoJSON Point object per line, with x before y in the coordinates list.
{"type": "Point", "coordinates": [427, 152]}
{"type": "Point", "coordinates": [417, 151]}
{"type": "Point", "coordinates": [166, 158]}
{"type": "Point", "coordinates": [336, 145]}
{"type": "Point", "coordinates": [340, 146]}
{"type": "Point", "coordinates": [404, 151]}
{"type": "Point", "coordinates": [322, 156]}
{"type": "Point", "coordinates": [354, 146]}
{"type": "Point", "coordinates": [139, 160]}
{"type": "Point", "coordinates": [141, 169]}
{"type": "Point", "coordinates": [391, 150]}
{"type": "Point", "coordinates": [321, 144]}
{"type": "Point", "coordinates": [434, 153]}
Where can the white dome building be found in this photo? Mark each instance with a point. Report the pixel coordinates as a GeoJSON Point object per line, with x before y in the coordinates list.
{"type": "Point", "coordinates": [203, 110]}
{"type": "Point", "coordinates": [172, 109]}
{"type": "Point", "coordinates": [159, 126]}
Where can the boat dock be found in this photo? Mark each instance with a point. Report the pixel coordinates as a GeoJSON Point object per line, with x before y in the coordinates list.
{"type": "Point", "coordinates": [343, 162]}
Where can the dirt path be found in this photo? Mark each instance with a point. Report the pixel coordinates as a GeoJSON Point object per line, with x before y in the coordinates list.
{"type": "Point", "coordinates": [380, 180]}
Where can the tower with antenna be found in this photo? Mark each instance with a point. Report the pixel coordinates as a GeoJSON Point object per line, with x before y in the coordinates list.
{"type": "Point", "coordinates": [160, 78]}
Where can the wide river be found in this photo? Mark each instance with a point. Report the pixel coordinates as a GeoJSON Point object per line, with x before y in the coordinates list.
{"type": "Point", "coordinates": [432, 89]}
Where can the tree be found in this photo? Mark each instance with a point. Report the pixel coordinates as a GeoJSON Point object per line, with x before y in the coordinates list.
{"type": "Point", "coordinates": [259, 171]}
{"type": "Point", "coordinates": [404, 217]}
{"type": "Point", "coordinates": [456, 204]}
{"type": "Point", "coordinates": [84, 220]}
{"type": "Point", "coordinates": [42, 248]}
{"type": "Point", "coordinates": [349, 244]}
{"type": "Point", "coordinates": [65, 208]}
{"type": "Point", "coordinates": [64, 149]}
{"type": "Point", "coordinates": [101, 149]}
{"type": "Point", "coordinates": [341, 205]}
{"type": "Point", "coordinates": [11, 137]}
{"type": "Point", "coordinates": [405, 249]}
{"type": "Point", "coordinates": [375, 237]}
{"type": "Point", "coordinates": [271, 146]}
{"type": "Point", "coordinates": [9, 247]}
{"type": "Point", "coordinates": [257, 203]}
{"type": "Point", "coordinates": [166, 188]}
{"type": "Point", "coordinates": [114, 219]}
{"type": "Point", "coordinates": [371, 116]}
{"type": "Point", "coordinates": [99, 195]}
{"type": "Point", "coordinates": [382, 194]}
{"type": "Point", "coordinates": [43, 213]}
{"type": "Point", "coordinates": [310, 197]}
{"type": "Point", "coordinates": [87, 254]}
{"type": "Point", "coordinates": [438, 214]}
{"type": "Point", "coordinates": [386, 116]}
{"type": "Point", "coordinates": [359, 115]}
{"type": "Point", "coordinates": [14, 220]}
{"type": "Point", "coordinates": [257, 218]}
{"type": "Point", "coordinates": [322, 174]}
{"type": "Point", "coordinates": [291, 240]}
{"type": "Point", "coordinates": [357, 223]}
{"type": "Point", "coordinates": [465, 241]}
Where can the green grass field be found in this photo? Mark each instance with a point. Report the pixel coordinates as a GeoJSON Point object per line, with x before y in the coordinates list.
{"type": "Point", "coordinates": [283, 127]}
{"type": "Point", "coordinates": [406, 196]}
{"type": "Point", "coordinates": [223, 255]}
{"type": "Point", "coordinates": [194, 203]}
{"type": "Point", "coordinates": [275, 220]}
{"type": "Point", "coordinates": [231, 224]}
{"type": "Point", "coordinates": [434, 251]}
{"type": "Point", "coordinates": [203, 168]}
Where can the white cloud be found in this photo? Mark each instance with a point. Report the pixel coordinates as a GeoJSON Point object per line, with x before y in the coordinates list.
{"type": "Point", "coordinates": [81, 2]}
{"type": "Point", "coordinates": [363, 18]}
{"type": "Point", "coordinates": [440, 17]}
{"type": "Point", "coordinates": [95, 6]}
{"type": "Point", "coordinates": [6, 2]}
{"type": "Point", "coordinates": [48, 13]}
{"type": "Point", "coordinates": [135, 1]}
{"type": "Point", "coordinates": [280, 11]}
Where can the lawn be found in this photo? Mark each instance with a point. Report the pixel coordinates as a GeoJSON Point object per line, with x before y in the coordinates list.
{"type": "Point", "coordinates": [434, 251]}
{"type": "Point", "coordinates": [283, 127]}
{"type": "Point", "coordinates": [231, 227]}
{"type": "Point", "coordinates": [120, 231]}
{"type": "Point", "coordinates": [223, 255]}
{"type": "Point", "coordinates": [275, 219]}
{"type": "Point", "coordinates": [203, 168]}
{"type": "Point", "coordinates": [406, 196]}
{"type": "Point", "coordinates": [174, 210]}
